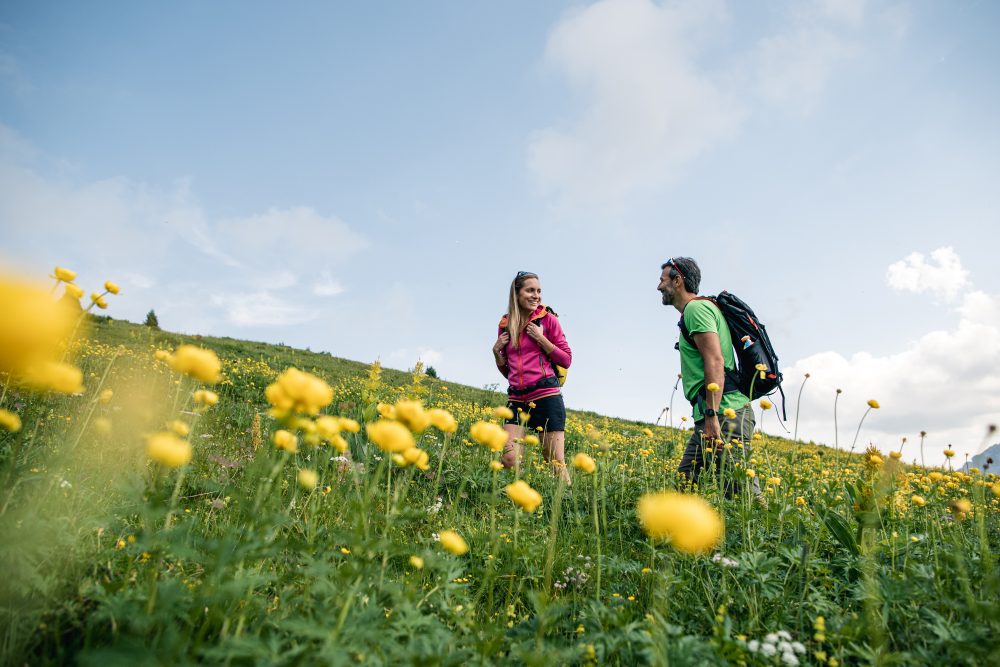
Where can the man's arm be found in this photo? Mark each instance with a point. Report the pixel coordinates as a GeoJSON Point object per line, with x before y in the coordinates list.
{"type": "Point", "coordinates": [710, 348]}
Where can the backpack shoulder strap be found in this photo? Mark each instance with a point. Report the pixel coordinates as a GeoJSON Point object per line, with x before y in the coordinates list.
{"type": "Point", "coordinates": [683, 327]}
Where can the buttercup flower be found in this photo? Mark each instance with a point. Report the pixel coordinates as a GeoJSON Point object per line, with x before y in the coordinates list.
{"type": "Point", "coordinates": [712, 387]}
{"type": "Point", "coordinates": [412, 415]}
{"type": "Point", "coordinates": [111, 287]}
{"type": "Point", "coordinates": [729, 413]}
{"type": "Point", "coordinates": [453, 543]}
{"type": "Point", "coordinates": [949, 453]}
{"type": "Point", "coordinates": [647, 432]}
{"type": "Point", "coordinates": [766, 404]}
{"type": "Point", "coordinates": [531, 439]}
{"type": "Point", "coordinates": [918, 500]}
{"type": "Point", "coordinates": [583, 462]}
{"type": "Point", "coordinates": [162, 355]}
{"type": "Point", "coordinates": [296, 391]}
{"type": "Point", "coordinates": [872, 403]}
{"type": "Point", "coordinates": [98, 301]}
{"type": "Point", "coordinates": [308, 479]}
{"type": "Point", "coordinates": [416, 562]}
{"type": "Point", "coordinates": [416, 457]}
{"type": "Point", "coordinates": [55, 376]}
{"type": "Point", "coordinates": [64, 275]}
{"type": "Point", "coordinates": [442, 420]}
{"type": "Point", "coordinates": [206, 397]}
{"type": "Point", "coordinates": [74, 291]}
{"type": "Point", "coordinates": [503, 412]}
{"type": "Point", "coordinates": [106, 396]}
{"type": "Point", "coordinates": [524, 496]}
{"type": "Point", "coordinates": [34, 329]}
{"type": "Point", "coordinates": [9, 421]}
{"type": "Point", "coordinates": [179, 428]}
{"type": "Point", "coordinates": [199, 363]}
{"type": "Point", "coordinates": [688, 521]}
{"type": "Point", "coordinates": [285, 440]}
{"type": "Point", "coordinates": [491, 435]}
{"type": "Point", "coordinates": [496, 466]}
{"type": "Point", "coordinates": [390, 436]}
{"type": "Point", "coordinates": [169, 450]}
{"type": "Point", "coordinates": [102, 426]}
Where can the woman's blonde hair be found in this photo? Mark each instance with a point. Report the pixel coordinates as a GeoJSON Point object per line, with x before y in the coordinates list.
{"type": "Point", "coordinates": [515, 322]}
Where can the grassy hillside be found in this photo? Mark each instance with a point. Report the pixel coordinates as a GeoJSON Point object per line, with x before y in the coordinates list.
{"type": "Point", "coordinates": [255, 554]}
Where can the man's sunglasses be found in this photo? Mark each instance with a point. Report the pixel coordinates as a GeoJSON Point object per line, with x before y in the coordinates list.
{"type": "Point", "coordinates": [672, 263]}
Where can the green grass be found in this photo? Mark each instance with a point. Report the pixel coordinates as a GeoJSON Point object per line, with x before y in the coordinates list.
{"type": "Point", "coordinates": [109, 559]}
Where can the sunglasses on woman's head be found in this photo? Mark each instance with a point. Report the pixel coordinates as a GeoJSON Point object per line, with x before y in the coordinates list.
{"type": "Point", "coordinates": [522, 274]}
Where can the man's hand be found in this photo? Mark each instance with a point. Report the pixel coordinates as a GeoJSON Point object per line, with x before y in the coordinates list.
{"type": "Point", "coordinates": [712, 431]}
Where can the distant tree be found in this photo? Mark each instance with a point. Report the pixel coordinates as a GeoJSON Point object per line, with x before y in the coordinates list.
{"type": "Point", "coordinates": [151, 320]}
{"type": "Point", "coordinates": [431, 372]}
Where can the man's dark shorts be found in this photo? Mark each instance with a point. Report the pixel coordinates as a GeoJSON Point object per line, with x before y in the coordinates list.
{"type": "Point", "coordinates": [697, 455]}
{"type": "Point", "coordinates": [549, 413]}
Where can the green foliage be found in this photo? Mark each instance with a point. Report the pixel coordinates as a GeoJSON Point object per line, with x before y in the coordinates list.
{"type": "Point", "coordinates": [151, 320]}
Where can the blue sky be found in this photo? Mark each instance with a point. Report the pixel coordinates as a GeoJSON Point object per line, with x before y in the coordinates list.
{"type": "Point", "coordinates": [367, 178]}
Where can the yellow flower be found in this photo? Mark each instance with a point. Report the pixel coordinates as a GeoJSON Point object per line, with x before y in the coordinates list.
{"type": "Point", "coordinates": [308, 479]}
{"type": "Point", "coordinates": [875, 459]}
{"type": "Point", "coordinates": [524, 496]}
{"type": "Point", "coordinates": [761, 367]}
{"type": "Point", "coordinates": [453, 543]}
{"type": "Point", "coordinates": [105, 396]}
{"type": "Point", "coordinates": [296, 391]}
{"type": "Point", "coordinates": [729, 413]}
{"type": "Point", "coordinates": [74, 291]}
{"type": "Point", "coordinates": [390, 436]}
{"type": "Point", "coordinates": [417, 457]}
{"type": "Point", "coordinates": [896, 455]}
{"type": "Point", "coordinates": [800, 501]}
{"type": "Point", "coordinates": [490, 435]}
{"type": "Point", "coordinates": [935, 476]}
{"type": "Point", "coordinates": [55, 376]}
{"type": "Point", "coordinates": [285, 440]}
{"type": "Point", "coordinates": [442, 420]}
{"type": "Point", "coordinates": [647, 432]}
{"type": "Point", "coordinates": [64, 275]}
{"type": "Point", "coordinates": [949, 453]}
{"type": "Point", "coordinates": [328, 427]}
{"type": "Point", "coordinates": [689, 522]}
{"type": "Point", "coordinates": [503, 412]}
{"type": "Point", "coordinates": [872, 403]}
{"type": "Point", "coordinates": [751, 473]}
{"type": "Point", "coordinates": [583, 462]}
{"type": "Point", "coordinates": [412, 415]}
{"type": "Point", "coordinates": [34, 329]}
{"type": "Point", "coordinates": [918, 500]}
{"type": "Point", "coordinates": [416, 562]}
{"type": "Point", "coordinates": [349, 425]}
{"type": "Point", "coordinates": [162, 355]}
{"type": "Point", "coordinates": [773, 481]}
{"type": "Point", "coordinates": [960, 507]}
{"type": "Point", "coordinates": [199, 363]}
{"type": "Point", "coordinates": [179, 428]}
{"type": "Point", "coordinates": [496, 466]}
{"type": "Point", "coordinates": [206, 397]}
{"type": "Point", "coordinates": [98, 300]}
{"type": "Point", "coordinates": [10, 421]}
{"type": "Point", "coordinates": [387, 411]}
{"type": "Point", "coordinates": [102, 425]}
{"type": "Point", "coordinates": [766, 404]}
{"type": "Point", "coordinates": [531, 439]}
{"type": "Point", "coordinates": [712, 387]}
{"type": "Point", "coordinates": [168, 449]}
{"type": "Point", "coordinates": [111, 287]}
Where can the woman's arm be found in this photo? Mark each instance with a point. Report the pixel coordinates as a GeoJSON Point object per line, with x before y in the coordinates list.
{"type": "Point", "coordinates": [552, 341]}
{"type": "Point", "coordinates": [499, 352]}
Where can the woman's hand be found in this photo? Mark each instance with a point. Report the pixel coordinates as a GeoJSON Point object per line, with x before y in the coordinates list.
{"type": "Point", "coordinates": [501, 345]}
{"type": "Point", "coordinates": [535, 332]}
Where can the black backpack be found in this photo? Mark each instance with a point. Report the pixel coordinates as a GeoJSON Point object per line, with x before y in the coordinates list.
{"type": "Point", "coordinates": [752, 346]}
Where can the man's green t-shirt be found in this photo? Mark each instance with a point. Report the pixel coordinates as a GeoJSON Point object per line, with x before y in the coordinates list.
{"type": "Point", "coordinates": [702, 316]}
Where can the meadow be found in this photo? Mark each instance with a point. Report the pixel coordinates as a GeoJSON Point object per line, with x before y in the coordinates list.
{"type": "Point", "coordinates": [188, 499]}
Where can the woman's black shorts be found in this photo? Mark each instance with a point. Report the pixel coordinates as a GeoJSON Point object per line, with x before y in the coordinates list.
{"type": "Point", "coordinates": [549, 413]}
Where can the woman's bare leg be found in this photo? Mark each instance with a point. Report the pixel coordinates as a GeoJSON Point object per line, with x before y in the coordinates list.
{"type": "Point", "coordinates": [511, 457]}
{"type": "Point", "coordinates": [553, 444]}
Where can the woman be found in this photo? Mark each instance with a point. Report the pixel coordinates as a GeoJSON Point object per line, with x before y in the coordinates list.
{"type": "Point", "coordinates": [530, 344]}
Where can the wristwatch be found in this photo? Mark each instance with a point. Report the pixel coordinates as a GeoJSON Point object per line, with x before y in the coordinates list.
{"type": "Point", "coordinates": [709, 412]}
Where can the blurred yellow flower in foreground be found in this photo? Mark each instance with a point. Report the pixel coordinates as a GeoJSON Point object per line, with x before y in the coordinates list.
{"type": "Point", "coordinates": [490, 435]}
{"type": "Point", "coordinates": [503, 412]}
{"type": "Point", "coordinates": [949, 453]}
{"type": "Point", "coordinates": [308, 479]}
{"type": "Point", "coordinates": [496, 466]}
{"type": "Point", "coordinates": [102, 425]}
{"type": "Point", "coordinates": [167, 449]}
{"type": "Point", "coordinates": [416, 562]}
{"type": "Point", "coordinates": [162, 355]}
{"type": "Point", "coordinates": [34, 328]}
{"type": "Point", "coordinates": [766, 404]}
{"type": "Point", "coordinates": [442, 420]}
{"type": "Point", "coordinates": [285, 440]}
{"type": "Point", "coordinates": [9, 421]}
{"type": "Point", "coordinates": [688, 521]}
{"type": "Point", "coordinates": [416, 457]}
{"type": "Point", "coordinates": [524, 496]}
{"type": "Point", "coordinates": [531, 439]}
{"type": "Point", "coordinates": [98, 301]}
{"type": "Point", "coordinates": [729, 413]}
{"type": "Point", "coordinates": [206, 397]}
{"type": "Point", "coordinates": [647, 432]}
{"type": "Point", "coordinates": [298, 391]}
{"type": "Point", "coordinates": [349, 425]}
{"type": "Point", "coordinates": [55, 376]}
{"type": "Point", "coordinates": [111, 288]}
{"type": "Point", "coordinates": [179, 427]}
{"type": "Point", "coordinates": [712, 387]}
{"type": "Point", "coordinates": [199, 363]}
{"type": "Point", "coordinates": [872, 403]}
{"type": "Point", "coordinates": [390, 436]}
{"type": "Point", "coordinates": [106, 396]}
{"type": "Point", "coordinates": [918, 500]}
{"type": "Point", "coordinates": [453, 543]}
{"type": "Point", "coordinates": [64, 275]}
{"type": "Point", "coordinates": [583, 462]}
{"type": "Point", "coordinates": [412, 415]}
{"type": "Point", "coordinates": [895, 455]}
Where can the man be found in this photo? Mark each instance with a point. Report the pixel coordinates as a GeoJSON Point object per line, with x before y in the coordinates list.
{"type": "Point", "coordinates": [704, 367]}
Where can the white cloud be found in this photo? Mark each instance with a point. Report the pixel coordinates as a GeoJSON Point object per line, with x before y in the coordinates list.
{"type": "Point", "coordinates": [406, 357]}
{"type": "Point", "coordinates": [300, 232]}
{"type": "Point", "coordinates": [649, 107]}
{"type": "Point", "coordinates": [327, 286]}
{"type": "Point", "coordinates": [946, 383]}
{"type": "Point", "coordinates": [943, 277]}
{"type": "Point", "coordinates": [263, 309]}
